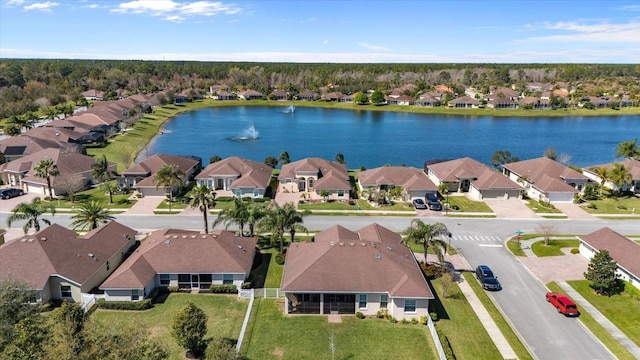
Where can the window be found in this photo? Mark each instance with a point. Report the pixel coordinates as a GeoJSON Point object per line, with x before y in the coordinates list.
{"type": "Point", "coordinates": [135, 294]}
{"type": "Point", "coordinates": [165, 280]}
{"type": "Point", "coordinates": [340, 193]}
{"type": "Point", "coordinates": [362, 303]}
{"type": "Point", "coordinates": [65, 291]}
{"type": "Point", "coordinates": [410, 305]}
{"type": "Point", "coordinates": [384, 301]}
{"type": "Point", "coordinates": [227, 279]}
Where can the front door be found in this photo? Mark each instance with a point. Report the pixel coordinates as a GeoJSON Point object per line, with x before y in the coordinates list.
{"type": "Point", "coordinates": [195, 281]}
{"type": "Point", "coordinates": [219, 184]}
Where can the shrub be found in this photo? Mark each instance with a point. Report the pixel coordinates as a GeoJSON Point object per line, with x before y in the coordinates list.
{"type": "Point", "coordinates": [423, 320]}
{"type": "Point", "coordinates": [123, 201]}
{"type": "Point", "coordinates": [246, 285]}
{"type": "Point", "coordinates": [383, 314]}
{"type": "Point", "coordinates": [446, 346]}
{"type": "Point", "coordinates": [223, 289]}
{"type": "Point", "coordinates": [280, 259]}
{"type": "Point", "coordinates": [621, 206]}
{"type": "Point", "coordinates": [434, 316]}
{"type": "Point", "coordinates": [575, 251]}
{"type": "Point", "coordinates": [173, 289]}
{"type": "Point", "coordinates": [224, 199]}
{"type": "Point", "coordinates": [404, 321]}
{"type": "Point", "coordinates": [592, 206]}
{"type": "Point", "coordinates": [414, 321]}
{"type": "Point", "coordinates": [125, 305]}
{"type": "Point", "coordinates": [393, 320]}
{"type": "Point", "coordinates": [359, 315]}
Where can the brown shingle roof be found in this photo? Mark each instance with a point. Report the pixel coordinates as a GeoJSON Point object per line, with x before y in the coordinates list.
{"type": "Point", "coordinates": [409, 178]}
{"type": "Point", "coordinates": [173, 251]}
{"type": "Point", "coordinates": [623, 250]}
{"type": "Point", "coordinates": [631, 164]}
{"type": "Point", "coordinates": [458, 169]}
{"type": "Point", "coordinates": [372, 259]}
{"type": "Point", "coordinates": [331, 174]}
{"type": "Point", "coordinates": [545, 174]}
{"type": "Point", "coordinates": [494, 180]}
{"type": "Point", "coordinates": [249, 173]}
{"type": "Point", "coordinates": [151, 165]}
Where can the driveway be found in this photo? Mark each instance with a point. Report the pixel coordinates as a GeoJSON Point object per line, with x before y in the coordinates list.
{"type": "Point", "coordinates": [8, 204]}
{"type": "Point", "coordinates": [511, 208]}
{"type": "Point", "coordinates": [573, 211]}
{"type": "Point", "coordinates": [556, 268]}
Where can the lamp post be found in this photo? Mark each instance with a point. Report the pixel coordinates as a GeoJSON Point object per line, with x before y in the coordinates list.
{"type": "Point", "coordinates": [449, 245]}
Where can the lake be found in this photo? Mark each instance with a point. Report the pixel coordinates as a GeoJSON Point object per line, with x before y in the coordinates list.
{"type": "Point", "coordinates": [372, 139]}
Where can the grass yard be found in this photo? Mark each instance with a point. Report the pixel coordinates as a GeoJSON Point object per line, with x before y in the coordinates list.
{"type": "Point", "coordinates": [623, 310]}
{"type": "Point", "coordinates": [615, 205]}
{"type": "Point", "coordinates": [120, 201]}
{"type": "Point", "coordinates": [554, 248]}
{"type": "Point", "coordinates": [598, 331]}
{"type": "Point", "coordinates": [543, 208]}
{"type": "Point", "coordinates": [362, 204]}
{"type": "Point", "coordinates": [225, 314]}
{"type": "Point", "coordinates": [459, 323]}
{"type": "Point", "coordinates": [496, 315]}
{"type": "Point", "coordinates": [515, 247]}
{"type": "Point", "coordinates": [465, 204]}
{"type": "Point", "coordinates": [272, 335]}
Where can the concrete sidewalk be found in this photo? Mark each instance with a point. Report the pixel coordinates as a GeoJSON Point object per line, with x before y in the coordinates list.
{"type": "Point", "coordinates": [601, 319]}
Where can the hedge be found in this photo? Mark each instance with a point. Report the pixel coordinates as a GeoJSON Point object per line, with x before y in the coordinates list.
{"type": "Point", "coordinates": [125, 305]}
{"type": "Point", "coordinates": [224, 289]}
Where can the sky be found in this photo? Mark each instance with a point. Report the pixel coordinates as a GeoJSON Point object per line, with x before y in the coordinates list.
{"type": "Point", "coordinates": [326, 31]}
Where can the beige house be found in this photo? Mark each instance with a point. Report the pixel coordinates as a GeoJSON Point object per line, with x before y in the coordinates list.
{"type": "Point", "coordinates": [189, 260]}
{"type": "Point", "coordinates": [141, 175]}
{"type": "Point", "coordinates": [319, 276]}
{"type": "Point", "coordinates": [315, 174]}
{"type": "Point", "coordinates": [624, 251]}
{"type": "Point", "coordinates": [57, 263]}
{"type": "Point", "coordinates": [241, 177]}
{"type": "Point", "coordinates": [632, 165]}
{"type": "Point", "coordinates": [414, 181]}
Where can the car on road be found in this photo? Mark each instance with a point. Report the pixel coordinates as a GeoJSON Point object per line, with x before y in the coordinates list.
{"type": "Point", "coordinates": [419, 204]}
{"type": "Point", "coordinates": [433, 202]}
{"type": "Point", "coordinates": [9, 193]}
{"type": "Point", "coordinates": [487, 279]}
{"type": "Point", "coordinates": [563, 304]}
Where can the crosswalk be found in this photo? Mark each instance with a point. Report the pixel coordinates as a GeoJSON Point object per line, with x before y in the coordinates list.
{"type": "Point", "coordinates": [477, 238]}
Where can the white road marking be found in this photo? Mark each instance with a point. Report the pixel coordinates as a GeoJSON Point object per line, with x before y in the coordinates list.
{"type": "Point", "coordinates": [490, 245]}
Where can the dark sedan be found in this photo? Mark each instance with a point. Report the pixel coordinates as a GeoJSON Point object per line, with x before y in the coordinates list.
{"type": "Point", "coordinates": [10, 193]}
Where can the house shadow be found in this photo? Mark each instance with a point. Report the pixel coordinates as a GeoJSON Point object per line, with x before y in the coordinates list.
{"type": "Point", "coordinates": [258, 274]}
{"type": "Point", "coordinates": [436, 305]}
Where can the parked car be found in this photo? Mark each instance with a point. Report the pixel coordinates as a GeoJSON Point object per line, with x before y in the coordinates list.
{"type": "Point", "coordinates": [433, 202]}
{"type": "Point", "coordinates": [563, 304]}
{"type": "Point", "coordinates": [487, 279]}
{"type": "Point", "coordinates": [9, 193]}
{"type": "Point", "coordinates": [419, 204]}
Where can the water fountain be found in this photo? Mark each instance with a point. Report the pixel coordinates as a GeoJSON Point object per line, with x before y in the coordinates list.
{"type": "Point", "coordinates": [289, 109]}
{"type": "Point", "coordinates": [248, 134]}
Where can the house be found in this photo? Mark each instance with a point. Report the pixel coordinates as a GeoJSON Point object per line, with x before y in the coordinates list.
{"type": "Point", "coordinates": [534, 103]}
{"type": "Point", "coordinates": [74, 170]}
{"type": "Point", "coordinates": [280, 95]}
{"type": "Point", "coordinates": [474, 177]}
{"type": "Point", "coordinates": [464, 102]}
{"type": "Point", "coordinates": [344, 272]}
{"type": "Point", "coordinates": [546, 180]}
{"type": "Point", "coordinates": [632, 165]}
{"type": "Point", "coordinates": [308, 95]}
{"type": "Point", "coordinates": [347, 98]}
{"type": "Point", "coordinates": [241, 177]}
{"type": "Point", "coordinates": [400, 100]}
{"type": "Point", "coordinates": [141, 175]}
{"type": "Point", "coordinates": [251, 95]}
{"type": "Point", "coordinates": [624, 251]}
{"type": "Point", "coordinates": [332, 96]}
{"type": "Point", "coordinates": [503, 92]}
{"type": "Point", "coordinates": [224, 95]}
{"type": "Point", "coordinates": [427, 101]}
{"type": "Point", "coordinates": [16, 147]}
{"type": "Point", "coordinates": [57, 263]}
{"type": "Point", "coordinates": [414, 181]}
{"type": "Point", "coordinates": [315, 174]}
{"type": "Point", "coordinates": [185, 259]}
{"type": "Point", "coordinates": [502, 103]}
{"type": "Point", "coordinates": [93, 94]}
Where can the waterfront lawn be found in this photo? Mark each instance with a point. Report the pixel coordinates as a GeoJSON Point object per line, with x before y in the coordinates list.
{"type": "Point", "coordinates": [598, 331]}
{"type": "Point", "coordinates": [615, 205]}
{"type": "Point", "coordinates": [554, 248]}
{"type": "Point", "coordinates": [225, 314]}
{"type": "Point", "coordinates": [623, 310]}
{"type": "Point", "coordinates": [272, 335]}
{"type": "Point", "coordinates": [459, 323]}
{"type": "Point", "coordinates": [465, 204]}
{"type": "Point", "coordinates": [541, 207]}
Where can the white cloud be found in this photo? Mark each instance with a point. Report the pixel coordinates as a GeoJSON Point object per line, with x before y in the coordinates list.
{"type": "Point", "coordinates": [92, 6]}
{"type": "Point", "coordinates": [373, 47]}
{"type": "Point", "coordinates": [630, 8]}
{"type": "Point", "coordinates": [580, 32]}
{"type": "Point", "coordinates": [46, 6]}
{"type": "Point", "coordinates": [172, 10]}
{"type": "Point", "coordinates": [325, 42]}
{"type": "Point", "coordinates": [14, 2]}
{"type": "Point", "coordinates": [175, 18]}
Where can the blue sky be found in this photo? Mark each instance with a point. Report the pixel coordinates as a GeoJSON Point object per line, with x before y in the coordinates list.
{"type": "Point", "coordinates": [324, 31]}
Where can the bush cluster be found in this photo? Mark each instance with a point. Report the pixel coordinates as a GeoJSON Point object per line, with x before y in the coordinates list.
{"type": "Point", "coordinates": [246, 285]}
{"type": "Point", "coordinates": [280, 258]}
{"type": "Point", "coordinates": [446, 346]}
{"type": "Point", "coordinates": [125, 305]}
{"type": "Point", "coordinates": [359, 315]}
{"type": "Point", "coordinates": [223, 289]}
{"type": "Point", "coordinates": [173, 288]}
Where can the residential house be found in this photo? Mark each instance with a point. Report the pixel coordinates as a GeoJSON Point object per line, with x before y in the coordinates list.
{"type": "Point", "coordinates": [315, 174]}
{"type": "Point", "coordinates": [280, 95]}
{"type": "Point", "coordinates": [546, 180]}
{"type": "Point", "coordinates": [57, 263]}
{"type": "Point", "coordinates": [427, 101]}
{"type": "Point", "coordinates": [141, 176]}
{"type": "Point", "coordinates": [503, 92]}
{"type": "Point", "coordinates": [93, 94]}
{"type": "Point", "coordinates": [16, 147]}
{"type": "Point", "coordinates": [479, 180]}
{"type": "Point", "coordinates": [224, 95]}
{"type": "Point", "coordinates": [344, 272]}
{"type": "Point", "coordinates": [413, 181]}
{"type": "Point", "coordinates": [400, 100]}
{"type": "Point", "coordinates": [347, 98]}
{"type": "Point", "coordinates": [534, 103]}
{"type": "Point", "coordinates": [624, 251]}
{"type": "Point", "coordinates": [241, 177]}
{"type": "Point", "coordinates": [251, 95]}
{"type": "Point", "coordinates": [214, 89]}
{"type": "Point", "coordinates": [502, 103]}
{"type": "Point", "coordinates": [632, 165]}
{"type": "Point", "coordinates": [75, 170]}
{"type": "Point", "coordinates": [308, 95]}
{"type": "Point", "coordinates": [598, 102]}
{"type": "Point", "coordinates": [185, 259]}
{"type": "Point", "coordinates": [332, 96]}
{"type": "Point", "coordinates": [464, 102]}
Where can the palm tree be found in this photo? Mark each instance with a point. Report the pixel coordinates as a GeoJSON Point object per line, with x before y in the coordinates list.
{"type": "Point", "coordinates": [204, 199]}
{"type": "Point", "coordinates": [238, 214]}
{"type": "Point", "coordinates": [257, 212]}
{"type": "Point", "coordinates": [46, 169]}
{"type": "Point", "coordinates": [91, 214]}
{"type": "Point", "coordinates": [628, 149]}
{"type": "Point", "coordinates": [293, 219]}
{"type": "Point", "coordinates": [169, 176]}
{"type": "Point", "coordinates": [100, 169]}
{"type": "Point", "coordinates": [620, 175]}
{"type": "Point", "coordinates": [31, 212]}
{"type": "Point", "coordinates": [109, 187]}
{"type": "Point", "coordinates": [284, 158]}
{"type": "Point", "coordinates": [278, 219]}
{"type": "Point", "coordinates": [427, 235]}
{"type": "Point", "coordinates": [604, 175]}
{"type": "Point", "coordinates": [340, 158]}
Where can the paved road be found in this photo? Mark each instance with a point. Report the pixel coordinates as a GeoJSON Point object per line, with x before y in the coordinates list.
{"type": "Point", "coordinates": [548, 334]}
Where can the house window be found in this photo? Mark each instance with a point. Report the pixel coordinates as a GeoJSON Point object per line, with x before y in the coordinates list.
{"type": "Point", "coordinates": [340, 193]}
{"type": "Point", "coordinates": [362, 303]}
{"type": "Point", "coordinates": [227, 279]}
{"type": "Point", "coordinates": [32, 297]}
{"type": "Point", "coordinates": [135, 294]}
{"type": "Point", "coordinates": [65, 291]}
{"type": "Point", "coordinates": [410, 305]}
{"type": "Point", "coordinates": [384, 301]}
{"type": "Point", "coordinates": [165, 279]}
{"type": "Point", "coordinates": [256, 192]}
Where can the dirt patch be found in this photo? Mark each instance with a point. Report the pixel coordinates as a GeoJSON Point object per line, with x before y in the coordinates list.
{"type": "Point", "coordinates": [278, 352]}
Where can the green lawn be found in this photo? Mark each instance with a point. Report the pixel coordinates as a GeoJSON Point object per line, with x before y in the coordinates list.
{"type": "Point", "coordinates": [459, 323]}
{"type": "Point", "coordinates": [363, 204]}
{"type": "Point", "coordinates": [615, 205]}
{"type": "Point", "coordinates": [623, 310]}
{"type": "Point", "coordinates": [496, 315]}
{"type": "Point", "coordinates": [225, 314]}
{"type": "Point", "coordinates": [554, 247]}
{"type": "Point", "coordinates": [119, 201]}
{"type": "Point", "coordinates": [543, 208]}
{"type": "Point", "coordinates": [467, 205]}
{"type": "Point", "coordinates": [515, 248]}
{"type": "Point", "coordinates": [271, 335]}
{"type": "Point", "coordinates": [598, 331]}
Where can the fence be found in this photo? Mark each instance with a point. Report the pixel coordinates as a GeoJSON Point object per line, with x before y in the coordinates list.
{"type": "Point", "coordinates": [88, 300]}
{"type": "Point", "coordinates": [436, 339]}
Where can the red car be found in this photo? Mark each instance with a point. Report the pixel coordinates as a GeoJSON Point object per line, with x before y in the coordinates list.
{"type": "Point", "coordinates": [564, 305]}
